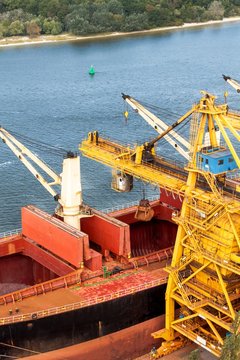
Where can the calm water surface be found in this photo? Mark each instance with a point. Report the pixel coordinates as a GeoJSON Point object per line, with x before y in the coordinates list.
{"type": "Point", "coordinates": [47, 95]}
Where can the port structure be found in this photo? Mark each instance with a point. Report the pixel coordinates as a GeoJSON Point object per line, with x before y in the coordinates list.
{"type": "Point", "coordinates": [70, 205]}
{"type": "Point", "coordinates": [203, 292]}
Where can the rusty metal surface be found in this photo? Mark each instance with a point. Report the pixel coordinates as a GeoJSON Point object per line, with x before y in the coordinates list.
{"type": "Point", "coordinates": [93, 292]}
{"type": "Point", "coordinates": [137, 340]}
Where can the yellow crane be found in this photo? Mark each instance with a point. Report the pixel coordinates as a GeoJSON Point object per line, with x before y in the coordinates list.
{"type": "Point", "coordinates": [203, 291]}
{"type": "Point", "coordinates": [180, 144]}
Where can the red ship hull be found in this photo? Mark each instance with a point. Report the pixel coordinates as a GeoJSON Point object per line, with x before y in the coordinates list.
{"type": "Point", "coordinates": [73, 286]}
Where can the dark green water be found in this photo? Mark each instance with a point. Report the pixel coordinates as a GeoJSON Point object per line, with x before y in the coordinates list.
{"type": "Point", "coordinates": [46, 94]}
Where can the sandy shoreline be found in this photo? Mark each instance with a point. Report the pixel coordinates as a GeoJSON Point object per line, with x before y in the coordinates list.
{"type": "Point", "coordinates": [44, 39]}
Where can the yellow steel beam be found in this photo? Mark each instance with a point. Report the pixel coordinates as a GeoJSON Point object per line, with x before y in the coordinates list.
{"type": "Point", "coordinates": [182, 264]}
{"type": "Point", "coordinates": [194, 274]}
{"type": "Point", "coordinates": [178, 250]}
{"type": "Point", "coordinates": [233, 119]}
{"type": "Point", "coordinates": [234, 230]}
{"type": "Point", "coordinates": [145, 172]}
{"type": "Point", "coordinates": [206, 314]}
{"type": "Point", "coordinates": [228, 124]}
{"type": "Point", "coordinates": [199, 141]}
{"type": "Point", "coordinates": [214, 259]}
{"type": "Point", "coordinates": [225, 292]}
{"type": "Point", "coordinates": [215, 331]}
{"type": "Point", "coordinates": [212, 131]}
{"type": "Point", "coordinates": [185, 318]}
{"type": "Point", "coordinates": [192, 336]}
{"type": "Point", "coordinates": [228, 141]}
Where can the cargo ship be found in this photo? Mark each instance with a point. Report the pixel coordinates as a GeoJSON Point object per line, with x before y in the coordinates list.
{"type": "Point", "coordinates": [80, 274]}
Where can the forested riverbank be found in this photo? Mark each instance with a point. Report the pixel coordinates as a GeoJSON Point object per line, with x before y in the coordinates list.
{"type": "Point", "coordinates": [66, 37]}
{"type": "Point", "coordinates": [88, 17]}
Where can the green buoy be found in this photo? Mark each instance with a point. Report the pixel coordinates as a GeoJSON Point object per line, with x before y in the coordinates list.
{"type": "Point", "coordinates": [91, 70]}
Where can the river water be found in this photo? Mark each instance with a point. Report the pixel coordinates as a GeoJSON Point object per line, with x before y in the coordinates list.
{"type": "Point", "coordinates": [47, 95]}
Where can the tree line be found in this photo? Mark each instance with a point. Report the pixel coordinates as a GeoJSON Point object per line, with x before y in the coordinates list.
{"type": "Point", "coordinates": [83, 17]}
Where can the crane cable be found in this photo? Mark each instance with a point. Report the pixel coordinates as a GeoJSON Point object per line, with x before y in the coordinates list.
{"type": "Point", "coordinates": [40, 145]}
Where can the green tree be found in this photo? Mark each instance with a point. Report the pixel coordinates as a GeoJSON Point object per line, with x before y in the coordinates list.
{"type": "Point", "coordinates": [193, 14]}
{"type": "Point", "coordinates": [51, 26]}
{"type": "Point", "coordinates": [215, 11]}
{"type": "Point", "coordinates": [12, 4]}
{"type": "Point", "coordinates": [77, 24]}
{"type": "Point", "coordinates": [231, 346]}
{"type": "Point", "coordinates": [194, 355]}
{"type": "Point", "coordinates": [53, 8]}
{"type": "Point", "coordinates": [16, 28]}
{"type": "Point", "coordinates": [2, 31]}
{"type": "Point", "coordinates": [31, 6]}
{"type": "Point", "coordinates": [134, 6]}
{"type": "Point", "coordinates": [115, 7]}
{"type": "Point", "coordinates": [136, 22]}
{"type": "Point", "coordinates": [92, 16]}
{"type": "Point", "coordinates": [160, 16]}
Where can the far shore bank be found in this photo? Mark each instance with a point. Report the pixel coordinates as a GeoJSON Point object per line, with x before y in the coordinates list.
{"type": "Point", "coordinates": [44, 39]}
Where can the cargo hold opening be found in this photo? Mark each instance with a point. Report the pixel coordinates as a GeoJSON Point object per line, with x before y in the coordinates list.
{"type": "Point", "coordinates": [148, 237]}
{"type": "Point", "coordinates": [151, 236]}
{"type": "Point", "coordinates": [19, 271]}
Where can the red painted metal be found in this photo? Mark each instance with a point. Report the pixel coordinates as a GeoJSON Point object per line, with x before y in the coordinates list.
{"type": "Point", "coordinates": [15, 269]}
{"type": "Point", "coordinates": [42, 301]}
{"type": "Point", "coordinates": [11, 245]}
{"type": "Point", "coordinates": [160, 256]}
{"type": "Point", "coordinates": [171, 199]}
{"type": "Point", "coordinates": [55, 236]}
{"type": "Point", "coordinates": [45, 267]}
{"type": "Point", "coordinates": [42, 288]}
{"type": "Point", "coordinates": [121, 284]}
{"type": "Point", "coordinates": [95, 263]}
{"type": "Point", "coordinates": [125, 215]}
{"type": "Point", "coordinates": [111, 234]}
{"type": "Point", "coordinates": [46, 259]}
{"type": "Point", "coordinates": [162, 211]}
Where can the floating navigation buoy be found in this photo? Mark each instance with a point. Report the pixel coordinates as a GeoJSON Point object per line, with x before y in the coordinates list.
{"type": "Point", "coordinates": [91, 70]}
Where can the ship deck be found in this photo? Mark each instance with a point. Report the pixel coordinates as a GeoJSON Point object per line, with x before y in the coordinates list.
{"type": "Point", "coordinates": [81, 295]}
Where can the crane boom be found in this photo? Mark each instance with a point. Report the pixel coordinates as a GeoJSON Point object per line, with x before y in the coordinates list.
{"type": "Point", "coordinates": [234, 83]}
{"type": "Point", "coordinates": [23, 154]}
{"type": "Point", "coordinates": [159, 125]}
{"type": "Point", "coordinates": [70, 208]}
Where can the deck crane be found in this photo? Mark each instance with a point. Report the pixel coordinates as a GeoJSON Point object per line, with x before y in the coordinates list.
{"type": "Point", "coordinates": [234, 83]}
{"type": "Point", "coordinates": [204, 281]}
{"type": "Point", "coordinates": [70, 207]}
{"type": "Point", "coordinates": [174, 139]}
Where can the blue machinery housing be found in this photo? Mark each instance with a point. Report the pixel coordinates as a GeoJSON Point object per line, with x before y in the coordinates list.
{"type": "Point", "coordinates": [216, 161]}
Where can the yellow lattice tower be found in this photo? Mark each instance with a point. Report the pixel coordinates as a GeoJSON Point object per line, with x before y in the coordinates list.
{"type": "Point", "coordinates": [204, 273]}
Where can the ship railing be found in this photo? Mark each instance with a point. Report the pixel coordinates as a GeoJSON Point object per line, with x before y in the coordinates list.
{"type": "Point", "coordinates": [81, 304]}
{"type": "Point", "coordinates": [10, 233]}
{"type": "Point", "coordinates": [233, 175]}
{"type": "Point", "coordinates": [128, 204]}
{"type": "Point", "coordinates": [42, 288]}
{"type": "Point", "coordinates": [173, 168]}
